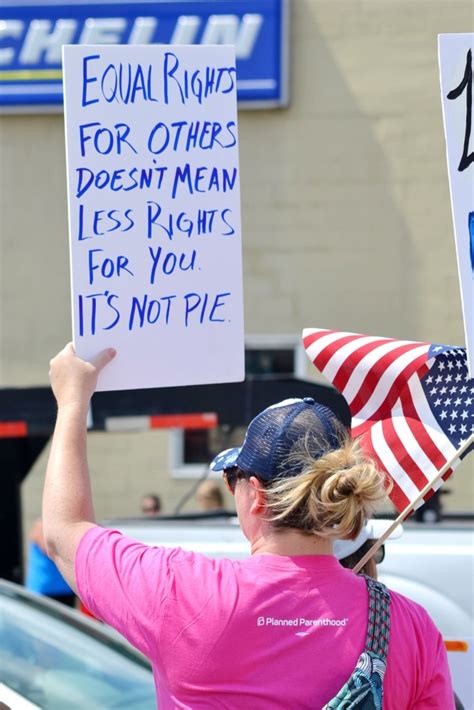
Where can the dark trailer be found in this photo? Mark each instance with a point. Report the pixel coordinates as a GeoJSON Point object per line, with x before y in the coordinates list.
{"type": "Point", "coordinates": [27, 417]}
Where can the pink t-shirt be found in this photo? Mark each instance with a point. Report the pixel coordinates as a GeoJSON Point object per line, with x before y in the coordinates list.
{"type": "Point", "coordinates": [268, 632]}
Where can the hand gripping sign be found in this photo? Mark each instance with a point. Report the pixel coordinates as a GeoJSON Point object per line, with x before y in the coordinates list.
{"type": "Point", "coordinates": [154, 212]}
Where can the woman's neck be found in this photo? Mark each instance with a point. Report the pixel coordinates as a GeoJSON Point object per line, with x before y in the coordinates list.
{"type": "Point", "coordinates": [289, 542]}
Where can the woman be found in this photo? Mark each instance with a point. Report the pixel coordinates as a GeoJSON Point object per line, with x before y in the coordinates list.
{"type": "Point", "coordinates": [284, 628]}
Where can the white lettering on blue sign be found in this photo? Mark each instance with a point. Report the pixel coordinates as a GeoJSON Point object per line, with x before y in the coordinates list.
{"type": "Point", "coordinates": [32, 34]}
{"type": "Point", "coordinates": [43, 39]}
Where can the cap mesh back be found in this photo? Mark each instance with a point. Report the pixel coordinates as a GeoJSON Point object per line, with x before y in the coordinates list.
{"type": "Point", "coordinates": [278, 433]}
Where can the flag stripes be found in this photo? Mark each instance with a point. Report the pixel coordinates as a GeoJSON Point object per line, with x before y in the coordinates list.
{"type": "Point", "coordinates": [399, 394]}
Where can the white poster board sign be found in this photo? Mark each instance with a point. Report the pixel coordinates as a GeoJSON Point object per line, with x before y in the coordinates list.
{"type": "Point", "coordinates": [455, 63]}
{"type": "Point", "coordinates": [154, 212]}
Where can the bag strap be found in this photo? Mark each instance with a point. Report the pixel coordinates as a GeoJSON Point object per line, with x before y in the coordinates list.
{"type": "Point", "coordinates": [378, 628]}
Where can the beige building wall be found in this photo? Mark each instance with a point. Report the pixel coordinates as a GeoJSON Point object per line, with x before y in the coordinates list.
{"type": "Point", "coordinates": [346, 217]}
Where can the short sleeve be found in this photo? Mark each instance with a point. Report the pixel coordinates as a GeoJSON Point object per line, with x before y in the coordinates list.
{"type": "Point", "coordinates": [124, 583]}
{"type": "Point", "coordinates": [437, 693]}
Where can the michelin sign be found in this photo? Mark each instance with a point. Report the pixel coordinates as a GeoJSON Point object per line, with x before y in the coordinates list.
{"type": "Point", "coordinates": [32, 35]}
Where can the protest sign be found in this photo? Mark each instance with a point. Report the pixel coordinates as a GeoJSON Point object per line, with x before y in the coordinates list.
{"type": "Point", "coordinates": [455, 63]}
{"type": "Point", "coordinates": [154, 212]}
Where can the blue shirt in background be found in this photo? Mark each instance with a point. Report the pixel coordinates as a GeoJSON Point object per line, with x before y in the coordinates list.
{"type": "Point", "coordinates": [42, 574]}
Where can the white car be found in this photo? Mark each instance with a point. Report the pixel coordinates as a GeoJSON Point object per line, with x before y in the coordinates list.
{"type": "Point", "coordinates": [52, 658]}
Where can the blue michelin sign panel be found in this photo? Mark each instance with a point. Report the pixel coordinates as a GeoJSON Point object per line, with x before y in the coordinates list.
{"type": "Point", "coordinates": [32, 34]}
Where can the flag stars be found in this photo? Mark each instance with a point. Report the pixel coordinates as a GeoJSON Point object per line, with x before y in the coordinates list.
{"type": "Point", "coordinates": [441, 390]}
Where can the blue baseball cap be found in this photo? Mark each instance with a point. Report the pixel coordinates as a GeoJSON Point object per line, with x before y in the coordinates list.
{"type": "Point", "coordinates": [275, 434]}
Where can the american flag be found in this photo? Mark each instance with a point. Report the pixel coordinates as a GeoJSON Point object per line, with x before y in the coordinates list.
{"type": "Point", "coordinates": [412, 404]}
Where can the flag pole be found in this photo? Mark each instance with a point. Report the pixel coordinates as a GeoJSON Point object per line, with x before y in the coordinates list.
{"type": "Point", "coordinates": [412, 505]}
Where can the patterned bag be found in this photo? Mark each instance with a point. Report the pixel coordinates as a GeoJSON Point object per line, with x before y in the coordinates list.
{"type": "Point", "coordinates": [364, 689]}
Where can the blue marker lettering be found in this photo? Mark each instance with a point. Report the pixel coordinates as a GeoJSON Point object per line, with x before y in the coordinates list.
{"type": "Point", "coordinates": [86, 80]}
{"type": "Point", "coordinates": [217, 304]}
{"type": "Point", "coordinates": [231, 231]}
{"type": "Point", "coordinates": [197, 85]}
{"type": "Point", "coordinates": [138, 84]}
{"type": "Point", "coordinates": [200, 175]}
{"type": "Point", "coordinates": [168, 299]}
{"type": "Point", "coordinates": [192, 138]}
{"type": "Point", "coordinates": [112, 72]}
{"type": "Point", "coordinates": [81, 316]}
{"type": "Point", "coordinates": [178, 125]}
{"type": "Point", "coordinates": [137, 307]}
{"type": "Point", "coordinates": [192, 302]}
{"type": "Point", "coordinates": [80, 230]}
{"type": "Point", "coordinates": [110, 298]}
{"type": "Point", "coordinates": [170, 66]}
{"type": "Point", "coordinates": [149, 314]}
{"type": "Point", "coordinates": [108, 267]}
{"type": "Point", "coordinates": [164, 141]}
{"type": "Point", "coordinates": [182, 175]}
{"type": "Point", "coordinates": [122, 136]}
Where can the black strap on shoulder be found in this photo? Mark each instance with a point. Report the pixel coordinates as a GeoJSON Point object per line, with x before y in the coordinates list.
{"type": "Point", "coordinates": [378, 628]}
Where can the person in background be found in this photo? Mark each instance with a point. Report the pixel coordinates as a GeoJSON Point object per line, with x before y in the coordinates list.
{"type": "Point", "coordinates": [209, 497]}
{"type": "Point", "coordinates": [350, 552]}
{"type": "Point", "coordinates": [151, 505]}
{"type": "Point", "coordinates": [42, 575]}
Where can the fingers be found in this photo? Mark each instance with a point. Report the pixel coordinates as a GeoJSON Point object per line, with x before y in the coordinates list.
{"type": "Point", "coordinates": [103, 358]}
{"type": "Point", "coordinates": [73, 379]}
{"type": "Point", "coordinates": [67, 350]}
{"type": "Point", "coordinates": [99, 361]}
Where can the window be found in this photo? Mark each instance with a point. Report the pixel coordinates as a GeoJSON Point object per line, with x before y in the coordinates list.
{"type": "Point", "coordinates": [194, 449]}
{"type": "Point", "coordinates": [56, 660]}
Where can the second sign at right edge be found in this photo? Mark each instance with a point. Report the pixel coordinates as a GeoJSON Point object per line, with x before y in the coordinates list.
{"type": "Point", "coordinates": [455, 63]}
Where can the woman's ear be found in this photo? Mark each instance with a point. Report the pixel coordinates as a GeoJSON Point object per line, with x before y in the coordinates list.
{"type": "Point", "coordinates": [259, 498]}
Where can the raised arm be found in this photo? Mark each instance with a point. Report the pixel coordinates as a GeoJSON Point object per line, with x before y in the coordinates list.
{"type": "Point", "coordinates": [68, 510]}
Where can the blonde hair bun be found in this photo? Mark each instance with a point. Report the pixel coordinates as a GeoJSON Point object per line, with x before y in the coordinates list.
{"type": "Point", "coordinates": [333, 496]}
